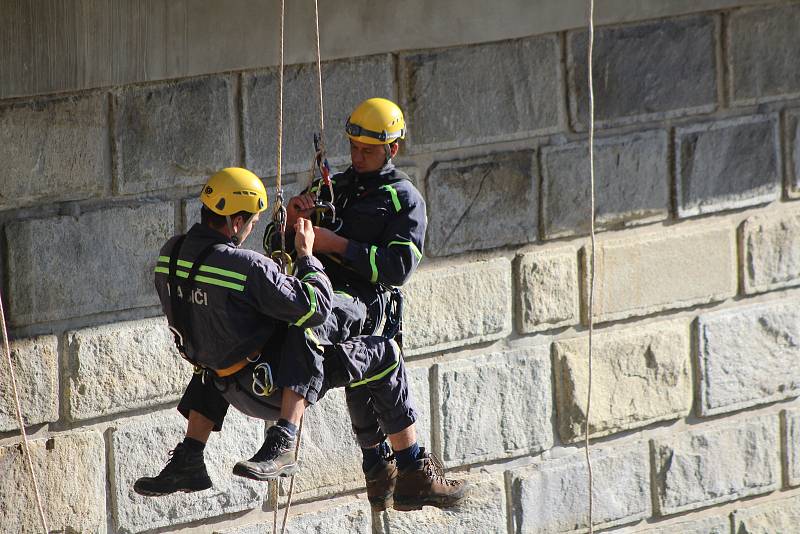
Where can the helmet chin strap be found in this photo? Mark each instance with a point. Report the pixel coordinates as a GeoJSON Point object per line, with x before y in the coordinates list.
{"type": "Point", "coordinates": [236, 237]}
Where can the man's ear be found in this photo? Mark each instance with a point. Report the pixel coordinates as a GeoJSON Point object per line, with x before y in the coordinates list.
{"type": "Point", "coordinates": [393, 148]}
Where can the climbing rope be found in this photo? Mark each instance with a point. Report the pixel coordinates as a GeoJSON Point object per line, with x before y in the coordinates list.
{"type": "Point", "coordinates": [591, 255]}
{"type": "Point", "coordinates": [18, 409]}
{"type": "Point", "coordinates": [291, 481]}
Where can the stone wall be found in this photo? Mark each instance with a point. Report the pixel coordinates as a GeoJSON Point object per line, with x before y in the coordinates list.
{"type": "Point", "coordinates": [694, 420]}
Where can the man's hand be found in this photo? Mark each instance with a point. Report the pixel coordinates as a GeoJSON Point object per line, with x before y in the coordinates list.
{"type": "Point", "coordinates": [327, 242]}
{"type": "Point", "coordinates": [299, 206]}
{"type": "Point", "coordinates": [303, 237]}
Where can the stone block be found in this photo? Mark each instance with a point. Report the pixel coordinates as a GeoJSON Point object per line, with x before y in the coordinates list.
{"type": "Point", "coordinates": [70, 473]}
{"type": "Point", "coordinates": [631, 183]}
{"type": "Point", "coordinates": [651, 70]}
{"type": "Point", "coordinates": [139, 447]}
{"type": "Point", "coordinates": [174, 134]}
{"type": "Point", "coordinates": [506, 90]}
{"type": "Point", "coordinates": [455, 306]}
{"type": "Point", "coordinates": [641, 375]}
{"type": "Point", "coordinates": [419, 384]}
{"type": "Point", "coordinates": [102, 261]}
{"type": "Point", "coordinates": [550, 497]}
{"type": "Point", "coordinates": [353, 517]}
{"type": "Point", "coordinates": [748, 174]}
{"type": "Point", "coordinates": [791, 423]}
{"type": "Point", "coordinates": [708, 525]}
{"type": "Point", "coordinates": [762, 53]}
{"type": "Point", "coordinates": [54, 149]}
{"type": "Point", "coordinates": [483, 510]}
{"type": "Point", "coordinates": [675, 268]}
{"type": "Point", "coordinates": [123, 366]}
{"type": "Point", "coordinates": [768, 518]}
{"type": "Point", "coordinates": [707, 466]}
{"type": "Point", "coordinates": [748, 356]}
{"type": "Point", "coordinates": [345, 84]}
{"type": "Point", "coordinates": [494, 406]}
{"type": "Point", "coordinates": [36, 370]}
{"type": "Point", "coordinates": [792, 135]}
{"type": "Point", "coordinates": [771, 252]}
{"type": "Point", "coordinates": [482, 203]}
{"type": "Point", "coordinates": [547, 289]}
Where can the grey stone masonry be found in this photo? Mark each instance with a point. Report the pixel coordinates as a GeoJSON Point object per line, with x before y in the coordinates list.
{"type": "Point", "coordinates": [771, 252]}
{"type": "Point", "coordinates": [643, 375]}
{"type": "Point", "coordinates": [791, 421]}
{"type": "Point", "coordinates": [353, 517]}
{"type": "Point", "coordinates": [550, 497]}
{"type": "Point", "coordinates": [35, 363]}
{"type": "Point", "coordinates": [140, 446]}
{"type": "Point", "coordinates": [479, 94]}
{"type": "Point", "coordinates": [675, 267]}
{"type": "Point", "coordinates": [728, 164]}
{"type": "Point", "coordinates": [762, 53]}
{"type": "Point", "coordinates": [345, 83]}
{"type": "Point", "coordinates": [174, 134]}
{"type": "Point", "coordinates": [547, 289]}
{"type": "Point", "coordinates": [482, 203]}
{"type": "Point", "coordinates": [652, 70]}
{"type": "Point", "coordinates": [483, 510]}
{"type": "Point", "coordinates": [707, 466]}
{"type": "Point", "coordinates": [494, 406]}
{"type": "Point", "coordinates": [455, 306]}
{"type": "Point", "coordinates": [709, 525]}
{"type": "Point", "coordinates": [768, 518]}
{"type": "Point", "coordinates": [732, 377]}
{"type": "Point", "coordinates": [54, 150]}
{"type": "Point", "coordinates": [70, 473]}
{"type": "Point", "coordinates": [123, 366]}
{"type": "Point", "coordinates": [632, 183]}
{"type": "Point", "coordinates": [62, 268]}
{"type": "Point", "coordinates": [793, 152]}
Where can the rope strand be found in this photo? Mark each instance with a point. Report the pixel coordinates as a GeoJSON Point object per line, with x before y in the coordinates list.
{"type": "Point", "coordinates": [319, 74]}
{"type": "Point", "coordinates": [291, 482]}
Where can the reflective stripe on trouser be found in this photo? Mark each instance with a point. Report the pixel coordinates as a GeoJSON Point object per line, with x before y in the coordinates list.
{"type": "Point", "coordinates": [381, 403]}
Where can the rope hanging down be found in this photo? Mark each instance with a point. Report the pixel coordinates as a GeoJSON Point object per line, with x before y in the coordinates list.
{"type": "Point", "coordinates": [17, 406]}
{"type": "Point", "coordinates": [592, 257]}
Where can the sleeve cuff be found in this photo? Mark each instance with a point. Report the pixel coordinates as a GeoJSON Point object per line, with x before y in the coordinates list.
{"type": "Point", "coordinates": [308, 263]}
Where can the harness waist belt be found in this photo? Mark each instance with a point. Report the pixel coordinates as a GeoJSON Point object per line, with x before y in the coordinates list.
{"type": "Point", "coordinates": [236, 367]}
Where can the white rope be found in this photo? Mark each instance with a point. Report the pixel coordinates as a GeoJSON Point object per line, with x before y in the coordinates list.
{"type": "Point", "coordinates": [18, 409]}
{"type": "Point", "coordinates": [592, 256]}
{"type": "Point", "coordinates": [280, 105]}
{"type": "Point", "coordinates": [319, 74]}
{"type": "Point", "coordinates": [291, 483]}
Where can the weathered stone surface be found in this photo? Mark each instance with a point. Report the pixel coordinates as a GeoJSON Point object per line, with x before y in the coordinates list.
{"type": "Point", "coordinates": [749, 173]}
{"type": "Point", "coordinates": [70, 473]}
{"type": "Point", "coordinates": [453, 306]}
{"type": "Point", "coordinates": [36, 371]}
{"type": "Point", "coordinates": [631, 183]}
{"type": "Point", "coordinates": [123, 366]}
{"type": "Point", "coordinates": [641, 375]}
{"type": "Point", "coordinates": [345, 84]}
{"type": "Point", "coordinates": [793, 152]}
{"type": "Point", "coordinates": [494, 406]}
{"type": "Point", "coordinates": [139, 448]}
{"type": "Point", "coordinates": [762, 53]}
{"type": "Point", "coordinates": [771, 252]}
{"type": "Point", "coordinates": [482, 203]}
{"type": "Point", "coordinates": [709, 525]}
{"type": "Point", "coordinates": [504, 91]}
{"type": "Point", "coordinates": [707, 466]}
{"type": "Point", "coordinates": [419, 384]}
{"type": "Point", "coordinates": [483, 510]}
{"type": "Point", "coordinates": [768, 518]}
{"type": "Point", "coordinates": [650, 272]}
{"type": "Point", "coordinates": [653, 70]}
{"type": "Point", "coordinates": [551, 497]}
{"type": "Point", "coordinates": [174, 134]}
{"type": "Point", "coordinates": [748, 356]}
{"type": "Point", "coordinates": [353, 517]}
{"type": "Point", "coordinates": [54, 149]}
{"type": "Point", "coordinates": [88, 274]}
{"type": "Point", "coordinates": [548, 290]}
{"type": "Point", "coordinates": [791, 419]}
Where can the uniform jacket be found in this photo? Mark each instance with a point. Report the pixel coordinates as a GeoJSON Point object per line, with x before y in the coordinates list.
{"type": "Point", "coordinates": [240, 298]}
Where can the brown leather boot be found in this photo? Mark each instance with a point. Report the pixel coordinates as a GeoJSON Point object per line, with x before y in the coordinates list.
{"type": "Point", "coordinates": [426, 485]}
{"type": "Point", "coordinates": [381, 480]}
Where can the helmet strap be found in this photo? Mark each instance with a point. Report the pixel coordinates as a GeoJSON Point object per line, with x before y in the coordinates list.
{"type": "Point", "coordinates": [237, 237]}
{"type": "Point", "coordinates": [388, 153]}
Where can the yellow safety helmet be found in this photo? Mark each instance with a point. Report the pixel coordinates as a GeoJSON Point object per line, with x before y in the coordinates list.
{"type": "Point", "coordinates": [376, 121]}
{"type": "Point", "coordinates": [233, 190]}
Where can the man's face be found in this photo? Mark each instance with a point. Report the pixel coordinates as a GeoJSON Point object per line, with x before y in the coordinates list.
{"type": "Point", "coordinates": [238, 221]}
{"type": "Point", "coordinates": [368, 158]}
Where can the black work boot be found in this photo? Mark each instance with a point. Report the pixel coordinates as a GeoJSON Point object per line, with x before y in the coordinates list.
{"type": "Point", "coordinates": [424, 484]}
{"type": "Point", "coordinates": [185, 471]}
{"type": "Point", "coordinates": [381, 480]}
{"type": "Point", "coordinates": [274, 459]}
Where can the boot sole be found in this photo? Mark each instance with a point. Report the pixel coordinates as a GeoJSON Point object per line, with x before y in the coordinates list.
{"type": "Point", "coordinates": [153, 493]}
{"type": "Point", "coordinates": [248, 472]}
{"type": "Point", "coordinates": [448, 501]}
{"type": "Point", "coordinates": [381, 504]}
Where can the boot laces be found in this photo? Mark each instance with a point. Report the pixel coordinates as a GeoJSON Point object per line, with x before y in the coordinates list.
{"type": "Point", "coordinates": [435, 469]}
{"type": "Point", "coordinates": [177, 456]}
{"type": "Point", "coordinates": [276, 444]}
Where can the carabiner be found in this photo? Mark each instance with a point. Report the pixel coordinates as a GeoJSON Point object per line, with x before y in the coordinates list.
{"type": "Point", "coordinates": [263, 386]}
